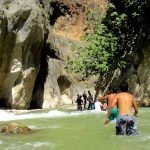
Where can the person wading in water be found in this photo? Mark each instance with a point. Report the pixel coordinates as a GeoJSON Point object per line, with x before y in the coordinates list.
{"type": "Point", "coordinates": [84, 99]}
{"type": "Point", "coordinates": [110, 98]}
{"type": "Point", "coordinates": [126, 123]}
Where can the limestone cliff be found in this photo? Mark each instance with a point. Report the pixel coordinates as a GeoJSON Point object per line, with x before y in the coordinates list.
{"type": "Point", "coordinates": [36, 39]}
{"type": "Point", "coordinates": [139, 79]}
{"type": "Point", "coordinates": [21, 40]}
{"type": "Point", "coordinates": [65, 28]}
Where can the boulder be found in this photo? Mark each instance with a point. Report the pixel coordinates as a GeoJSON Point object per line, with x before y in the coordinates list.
{"type": "Point", "coordinates": [14, 128]}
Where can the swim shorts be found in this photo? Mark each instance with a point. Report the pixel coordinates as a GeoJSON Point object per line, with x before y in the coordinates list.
{"type": "Point", "coordinates": [114, 114]}
{"type": "Point", "coordinates": [126, 125]}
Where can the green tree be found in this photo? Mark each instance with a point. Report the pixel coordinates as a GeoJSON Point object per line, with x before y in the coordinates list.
{"type": "Point", "coordinates": [115, 39]}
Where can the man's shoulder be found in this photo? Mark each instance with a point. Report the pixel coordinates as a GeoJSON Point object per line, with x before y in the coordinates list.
{"type": "Point", "coordinates": [112, 94]}
{"type": "Point", "coordinates": [108, 95]}
{"type": "Point", "coordinates": [124, 94]}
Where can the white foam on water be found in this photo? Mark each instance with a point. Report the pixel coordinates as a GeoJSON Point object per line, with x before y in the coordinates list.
{"type": "Point", "coordinates": [30, 145]}
{"type": "Point", "coordinates": [8, 116]}
{"type": "Point", "coordinates": [40, 144]}
{"type": "Point", "coordinates": [1, 142]}
{"type": "Point", "coordinates": [35, 127]}
{"type": "Point", "coordinates": [54, 127]}
{"type": "Point", "coordinates": [14, 147]}
{"type": "Point", "coordinates": [51, 127]}
{"type": "Point", "coordinates": [145, 138]}
{"type": "Point", "coordinates": [147, 147]}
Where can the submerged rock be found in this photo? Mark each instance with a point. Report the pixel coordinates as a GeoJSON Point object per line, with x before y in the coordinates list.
{"type": "Point", "coordinates": [14, 128]}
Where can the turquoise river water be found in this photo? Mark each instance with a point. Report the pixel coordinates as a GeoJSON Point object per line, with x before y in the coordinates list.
{"type": "Point", "coordinates": [72, 130]}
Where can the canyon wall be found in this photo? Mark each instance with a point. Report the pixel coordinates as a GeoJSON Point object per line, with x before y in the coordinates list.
{"type": "Point", "coordinates": [36, 40]}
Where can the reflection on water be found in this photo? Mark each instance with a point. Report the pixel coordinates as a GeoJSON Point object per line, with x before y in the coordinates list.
{"type": "Point", "coordinates": [76, 130]}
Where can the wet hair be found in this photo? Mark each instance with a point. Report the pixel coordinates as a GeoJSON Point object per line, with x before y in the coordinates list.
{"type": "Point", "coordinates": [124, 87]}
{"type": "Point", "coordinates": [114, 90]}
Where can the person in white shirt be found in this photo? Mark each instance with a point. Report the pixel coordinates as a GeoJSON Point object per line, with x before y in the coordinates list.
{"type": "Point", "coordinates": [98, 105]}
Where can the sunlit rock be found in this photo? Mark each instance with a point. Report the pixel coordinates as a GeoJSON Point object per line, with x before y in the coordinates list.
{"type": "Point", "coordinates": [14, 128]}
{"type": "Point", "coordinates": [21, 39]}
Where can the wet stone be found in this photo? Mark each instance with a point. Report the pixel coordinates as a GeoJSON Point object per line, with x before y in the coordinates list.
{"type": "Point", "coordinates": [14, 128]}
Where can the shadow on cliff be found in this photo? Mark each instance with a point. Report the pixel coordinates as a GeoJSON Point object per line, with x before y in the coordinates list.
{"type": "Point", "coordinates": [47, 52]}
{"type": "Point", "coordinates": [38, 91]}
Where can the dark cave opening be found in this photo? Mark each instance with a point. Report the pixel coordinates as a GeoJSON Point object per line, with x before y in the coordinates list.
{"type": "Point", "coordinates": [59, 9]}
{"type": "Point", "coordinates": [3, 103]}
{"type": "Point", "coordinates": [38, 91]}
{"type": "Point", "coordinates": [51, 53]}
{"type": "Point", "coordinates": [63, 84]}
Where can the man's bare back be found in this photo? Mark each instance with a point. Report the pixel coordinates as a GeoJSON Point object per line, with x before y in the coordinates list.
{"type": "Point", "coordinates": [126, 122]}
{"type": "Point", "coordinates": [110, 98]}
{"type": "Point", "coordinates": [125, 102]}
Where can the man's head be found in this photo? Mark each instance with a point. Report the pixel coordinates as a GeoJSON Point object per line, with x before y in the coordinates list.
{"type": "Point", "coordinates": [124, 87]}
{"type": "Point", "coordinates": [114, 90]}
{"type": "Point", "coordinates": [89, 92]}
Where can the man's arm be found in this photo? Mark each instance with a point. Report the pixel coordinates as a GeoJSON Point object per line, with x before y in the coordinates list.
{"type": "Point", "coordinates": [109, 111]}
{"type": "Point", "coordinates": [135, 107]}
{"type": "Point", "coordinates": [104, 97]}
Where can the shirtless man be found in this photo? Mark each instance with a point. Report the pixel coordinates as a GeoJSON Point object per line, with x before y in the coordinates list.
{"type": "Point", "coordinates": [126, 123]}
{"type": "Point", "coordinates": [110, 98]}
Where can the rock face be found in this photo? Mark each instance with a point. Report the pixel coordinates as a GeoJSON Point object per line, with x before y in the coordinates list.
{"type": "Point", "coordinates": [36, 39]}
{"type": "Point", "coordinates": [14, 128]}
{"type": "Point", "coordinates": [139, 80]}
{"type": "Point", "coordinates": [21, 41]}
{"type": "Point", "coordinates": [55, 85]}
{"type": "Point", "coordinates": [137, 75]}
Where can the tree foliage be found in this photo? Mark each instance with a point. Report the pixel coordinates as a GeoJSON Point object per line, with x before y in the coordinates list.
{"type": "Point", "coordinates": [114, 39]}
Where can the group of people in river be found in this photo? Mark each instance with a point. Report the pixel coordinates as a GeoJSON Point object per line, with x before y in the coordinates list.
{"type": "Point", "coordinates": [118, 106]}
{"type": "Point", "coordinates": [86, 101]}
